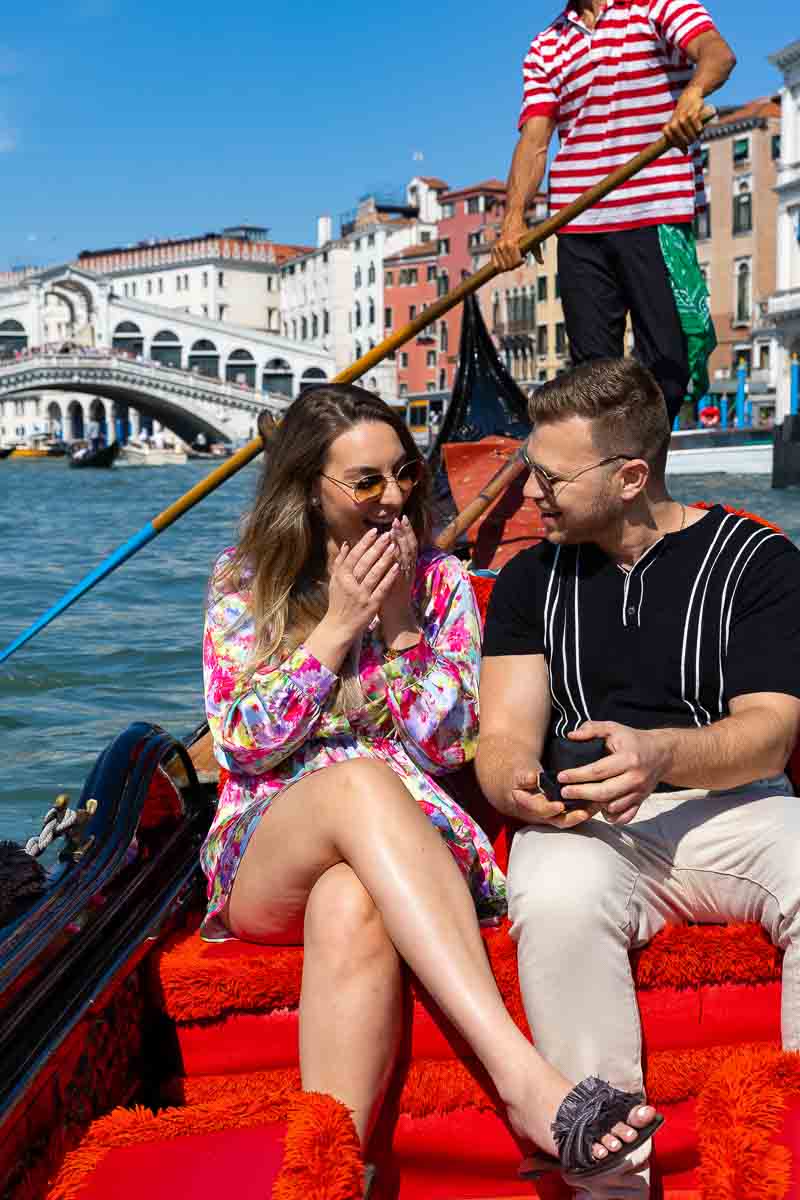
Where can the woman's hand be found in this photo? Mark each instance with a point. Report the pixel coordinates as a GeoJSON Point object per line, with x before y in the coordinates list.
{"type": "Point", "coordinates": [360, 578]}
{"type": "Point", "coordinates": [397, 618]}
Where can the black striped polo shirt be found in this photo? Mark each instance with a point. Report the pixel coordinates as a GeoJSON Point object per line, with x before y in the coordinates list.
{"type": "Point", "coordinates": [706, 614]}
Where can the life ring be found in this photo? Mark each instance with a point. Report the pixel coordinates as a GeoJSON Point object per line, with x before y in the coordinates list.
{"type": "Point", "coordinates": [709, 416]}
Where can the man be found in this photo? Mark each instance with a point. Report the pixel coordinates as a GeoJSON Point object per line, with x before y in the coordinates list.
{"type": "Point", "coordinates": [612, 76]}
{"type": "Point", "coordinates": [672, 634]}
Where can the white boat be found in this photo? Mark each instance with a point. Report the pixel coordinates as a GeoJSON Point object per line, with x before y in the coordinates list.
{"type": "Point", "coordinates": [145, 454]}
{"type": "Point", "coordinates": [712, 451]}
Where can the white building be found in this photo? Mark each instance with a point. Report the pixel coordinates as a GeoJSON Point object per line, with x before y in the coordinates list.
{"type": "Point", "coordinates": [333, 298]}
{"type": "Point", "coordinates": [784, 304]}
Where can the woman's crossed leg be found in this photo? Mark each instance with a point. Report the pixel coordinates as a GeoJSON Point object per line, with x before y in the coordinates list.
{"type": "Point", "coordinates": [360, 814]}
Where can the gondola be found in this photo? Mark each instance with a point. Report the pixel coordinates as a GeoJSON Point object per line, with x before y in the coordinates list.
{"type": "Point", "coordinates": [105, 456]}
{"type": "Point", "coordinates": [139, 1059]}
{"type": "Point", "coordinates": [137, 1056]}
{"type": "Point", "coordinates": [5, 452]}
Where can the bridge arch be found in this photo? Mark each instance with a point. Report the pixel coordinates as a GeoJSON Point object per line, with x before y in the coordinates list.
{"type": "Point", "coordinates": [13, 337]}
{"type": "Point", "coordinates": [75, 421]}
{"type": "Point", "coordinates": [100, 412]}
{"type": "Point", "coordinates": [204, 358]}
{"type": "Point", "coordinates": [127, 337]}
{"type": "Point", "coordinates": [166, 348]}
{"type": "Point", "coordinates": [312, 377]}
{"type": "Point", "coordinates": [241, 368]}
{"type": "Point", "coordinates": [278, 377]}
{"type": "Point", "coordinates": [55, 419]}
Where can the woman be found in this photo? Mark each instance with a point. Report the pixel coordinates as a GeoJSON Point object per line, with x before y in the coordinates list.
{"type": "Point", "coordinates": [341, 668]}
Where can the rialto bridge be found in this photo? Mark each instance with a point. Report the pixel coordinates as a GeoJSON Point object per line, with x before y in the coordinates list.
{"type": "Point", "coordinates": [71, 351]}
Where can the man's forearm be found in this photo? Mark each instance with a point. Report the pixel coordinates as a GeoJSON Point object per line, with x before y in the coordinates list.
{"type": "Point", "coordinates": [742, 747]}
{"type": "Point", "coordinates": [714, 62]}
{"type": "Point", "coordinates": [526, 174]}
{"type": "Point", "coordinates": [497, 764]}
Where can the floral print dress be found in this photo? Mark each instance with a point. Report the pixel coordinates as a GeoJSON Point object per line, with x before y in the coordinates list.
{"type": "Point", "coordinates": [419, 716]}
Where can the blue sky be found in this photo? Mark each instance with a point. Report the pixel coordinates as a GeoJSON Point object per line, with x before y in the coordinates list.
{"type": "Point", "coordinates": [123, 120]}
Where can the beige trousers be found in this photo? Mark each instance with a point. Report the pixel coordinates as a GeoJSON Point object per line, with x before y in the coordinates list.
{"type": "Point", "coordinates": [580, 899]}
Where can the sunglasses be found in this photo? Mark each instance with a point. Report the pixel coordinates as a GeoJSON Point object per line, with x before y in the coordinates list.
{"type": "Point", "coordinates": [552, 484]}
{"type": "Point", "coordinates": [372, 487]}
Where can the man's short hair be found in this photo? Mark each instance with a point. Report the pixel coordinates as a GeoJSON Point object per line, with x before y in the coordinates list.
{"type": "Point", "coordinates": [620, 397]}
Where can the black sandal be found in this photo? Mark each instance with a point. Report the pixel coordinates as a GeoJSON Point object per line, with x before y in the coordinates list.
{"type": "Point", "coordinates": [586, 1114]}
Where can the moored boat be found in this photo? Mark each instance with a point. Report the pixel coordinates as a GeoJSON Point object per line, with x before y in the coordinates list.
{"type": "Point", "coordinates": [145, 454]}
{"type": "Point", "coordinates": [5, 452]}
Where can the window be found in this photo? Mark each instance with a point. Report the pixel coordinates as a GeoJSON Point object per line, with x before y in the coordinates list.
{"type": "Point", "coordinates": [541, 287]}
{"type": "Point", "coordinates": [448, 210]}
{"type": "Point", "coordinates": [357, 315]}
{"type": "Point", "coordinates": [443, 336]}
{"type": "Point", "coordinates": [412, 311]}
{"type": "Point", "coordinates": [387, 318]}
{"type": "Point", "coordinates": [133, 289]}
{"type": "Point", "coordinates": [357, 244]}
{"type": "Point", "coordinates": [561, 338]}
{"type": "Point", "coordinates": [473, 205]}
{"type": "Point", "coordinates": [473, 240]}
{"type": "Point", "coordinates": [221, 310]}
{"type": "Point", "coordinates": [357, 278]}
{"type": "Point", "coordinates": [557, 287]}
{"type": "Point", "coordinates": [389, 279]}
{"type": "Point", "coordinates": [431, 272]}
{"type": "Point", "coordinates": [149, 287]}
{"type": "Point", "coordinates": [541, 340]}
{"type": "Point", "coordinates": [430, 358]}
{"type": "Point", "coordinates": [702, 223]}
{"type": "Point", "coordinates": [358, 350]}
{"type": "Point", "coordinates": [403, 389]}
{"type": "Point", "coordinates": [704, 158]}
{"type": "Point", "coordinates": [304, 329]}
{"type": "Point", "coordinates": [443, 284]}
{"type": "Point", "coordinates": [743, 210]}
{"type": "Point", "coordinates": [404, 359]}
{"type": "Point", "coordinates": [314, 325]}
{"type": "Point", "coordinates": [763, 356]}
{"type": "Point", "coordinates": [205, 279]}
{"type": "Point", "coordinates": [371, 271]}
{"type": "Point", "coordinates": [221, 278]}
{"type": "Point", "coordinates": [371, 311]}
{"type": "Point", "coordinates": [430, 387]}
{"type": "Point", "coordinates": [270, 281]}
{"type": "Point", "coordinates": [741, 150]}
{"type": "Point", "coordinates": [743, 291]}
{"type": "Point", "coordinates": [371, 239]}
{"type": "Point", "coordinates": [425, 236]}
{"type": "Point", "coordinates": [294, 331]}
{"type": "Point", "coordinates": [326, 322]}
{"type": "Point", "coordinates": [775, 146]}
{"type": "Point", "coordinates": [205, 310]}
{"type": "Point", "coordinates": [178, 283]}
{"type": "Point", "coordinates": [160, 285]}
{"type": "Point", "coordinates": [186, 281]}
{"type": "Point", "coordinates": [444, 245]}
{"type": "Point", "coordinates": [125, 288]}
{"type": "Point", "coordinates": [442, 380]}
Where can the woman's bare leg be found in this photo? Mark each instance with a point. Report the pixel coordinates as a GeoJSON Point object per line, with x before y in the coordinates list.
{"type": "Point", "coordinates": [351, 998]}
{"type": "Point", "coordinates": [360, 813]}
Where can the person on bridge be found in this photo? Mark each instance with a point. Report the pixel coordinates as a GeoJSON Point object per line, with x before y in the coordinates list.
{"type": "Point", "coordinates": [612, 75]}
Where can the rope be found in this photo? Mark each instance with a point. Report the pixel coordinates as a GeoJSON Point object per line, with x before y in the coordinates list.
{"type": "Point", "coordinates": [60, 821]}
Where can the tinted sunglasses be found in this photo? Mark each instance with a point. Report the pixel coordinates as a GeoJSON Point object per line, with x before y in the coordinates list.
{"type": "Point", "coordinates": [372, 487]}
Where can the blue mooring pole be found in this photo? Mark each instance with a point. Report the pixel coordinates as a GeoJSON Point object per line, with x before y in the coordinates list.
{"type": "Point", "coordinates": [741, 386]}
{"type": "Point", "coordinates": [794, 390]}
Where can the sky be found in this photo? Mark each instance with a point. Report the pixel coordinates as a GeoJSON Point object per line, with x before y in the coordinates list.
{"type": "Point", "coordinates": [121, 121]}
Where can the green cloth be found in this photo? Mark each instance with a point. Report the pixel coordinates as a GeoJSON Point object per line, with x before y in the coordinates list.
{"type": "Point", "coordinates": [691, 300]}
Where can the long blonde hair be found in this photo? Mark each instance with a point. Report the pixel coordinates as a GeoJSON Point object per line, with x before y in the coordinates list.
{"type": "Point", "coordinates": [281, 557]}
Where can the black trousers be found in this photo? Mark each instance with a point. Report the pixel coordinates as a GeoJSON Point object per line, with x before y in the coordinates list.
{"type": "Point", "coordinates": [605, 276]}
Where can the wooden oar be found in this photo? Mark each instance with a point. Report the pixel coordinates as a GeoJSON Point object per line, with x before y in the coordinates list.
{"type": "Point", "coordinates": [245, 455]}
{"type": "Point", "coordinates": [478, 505]}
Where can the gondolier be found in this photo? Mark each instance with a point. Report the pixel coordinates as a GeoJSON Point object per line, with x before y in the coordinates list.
{"type": "Point", "coordinates": [610, 76]}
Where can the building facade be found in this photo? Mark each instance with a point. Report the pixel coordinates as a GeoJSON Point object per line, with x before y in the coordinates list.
{"type": "Point", "coordinates": [410, 286]}
{"type": "Point", "coordinates": [736, 245]}
{"type": "Point", "coordinates": [784, 304]}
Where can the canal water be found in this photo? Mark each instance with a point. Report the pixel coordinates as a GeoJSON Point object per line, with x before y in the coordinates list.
{"type": "Point", "coordinates": [130, 649]}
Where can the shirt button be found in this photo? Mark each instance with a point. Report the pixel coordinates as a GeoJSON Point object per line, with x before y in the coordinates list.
{"type": "Point", "coordinates": [631, 611]}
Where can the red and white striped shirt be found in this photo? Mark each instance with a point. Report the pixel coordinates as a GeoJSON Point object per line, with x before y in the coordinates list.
{"type": "Point", "coordinates": [611, 90]}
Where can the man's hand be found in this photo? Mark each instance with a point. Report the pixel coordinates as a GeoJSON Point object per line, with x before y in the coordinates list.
{"type": "Point", "coordinates": [505, 251]}
{"type": "Point", "coordinates": [618, 784]}
{"type": "Point", "coordinates": [686, 123]}
{"type": "Point", "coordinates": [526, 803]}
